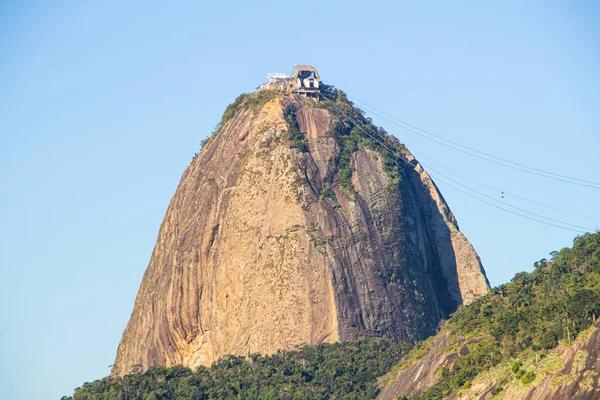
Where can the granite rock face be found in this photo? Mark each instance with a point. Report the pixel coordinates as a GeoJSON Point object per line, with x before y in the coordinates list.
{"type": "Point", "coordinates": [252, 257]}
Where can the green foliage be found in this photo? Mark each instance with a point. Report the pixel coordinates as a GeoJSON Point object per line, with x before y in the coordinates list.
{"type": "Point", "coordinates": [340, 370]}
{"type": "Point", "coordinates": [519, 374]}
{"type": "Point", "coordinates": [496, 390]}
{"type": "Point", "coordinates": [348, 147]}
{"type": "Point", "coordinates": [515, 367]}
{"type": "Point", "coordinates": [528, 377]}
{"type": "Point", "coordinates": [556, 301]}
{"type": "Point", "coordinates": [206, 141]}
{"type": "Point", "coordinates": [232, 109]}
{"type": "Point", "coordinates": [559, 299]}
{"type": "Point", "coordinates": [294, 135]}
{"type": "Point", "coordinates": [260, 98]}
{"type": "Point", "coordinates": [246, 101]}
{"type": "Point", "coordinates": [358, 129]}
{"type": "Point", "coordinates": [327, 193]}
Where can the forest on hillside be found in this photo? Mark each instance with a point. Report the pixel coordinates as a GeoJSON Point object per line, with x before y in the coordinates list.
{"type": "Point", "coordinates": [532, 313]}
{"type": "Point", "coordinates": [340, 370]}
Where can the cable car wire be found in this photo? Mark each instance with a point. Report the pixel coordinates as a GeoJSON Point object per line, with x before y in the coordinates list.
{"type": "Point", "coordinates": [507, 205]}
{"type": "Point", "coordinates": [509, 211]}
{"type": "Point", "coordinates": [505, 192]}
{"type": "Point", "coordinates": [476, 153]}
{"type": "Point", "coordinates": [401, 157]}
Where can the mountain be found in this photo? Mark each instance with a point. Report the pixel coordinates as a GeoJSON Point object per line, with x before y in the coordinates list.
{"type": "Point", "coordinates": [299, 222]}
{"type": "Point", "coordinates": [535, 337]}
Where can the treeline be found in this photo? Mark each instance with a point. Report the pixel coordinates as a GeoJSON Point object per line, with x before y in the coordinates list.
{"type": "Point", "coordinates": [340, 370]}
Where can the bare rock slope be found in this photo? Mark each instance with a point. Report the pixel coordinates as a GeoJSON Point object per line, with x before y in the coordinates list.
{"type": "Point", "coordinates": [261, 248]}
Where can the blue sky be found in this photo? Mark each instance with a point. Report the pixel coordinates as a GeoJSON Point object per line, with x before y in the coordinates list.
{"type": "Point", "coordinates": [103, 105]}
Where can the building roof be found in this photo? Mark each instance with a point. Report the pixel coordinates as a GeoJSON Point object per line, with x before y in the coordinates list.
{"type": "Point", "coordinates": [298, 68]}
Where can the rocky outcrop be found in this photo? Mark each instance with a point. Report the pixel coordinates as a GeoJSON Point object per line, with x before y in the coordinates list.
{"type": "Point", "coordinates": [261, 249]}
{"type": "Point", "coordinates": [416, 374]}
{"type": "Point", "coordinates": [569, 371]}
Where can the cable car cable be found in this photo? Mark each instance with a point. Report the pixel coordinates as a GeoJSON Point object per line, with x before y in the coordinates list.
{"type": "Point", "coordinates": [510, 194]}
{"type": "Point", "coordinates": [507, 205]}
{"type": "Point", "coordinates": [401, 157]}
{"type": "Point", "coordinates": [481, 155]}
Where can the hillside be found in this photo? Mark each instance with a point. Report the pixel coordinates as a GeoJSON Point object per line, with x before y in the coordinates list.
{"type": "Point", "coordinates": [535, 337]}
{"type": "Point", "coordinates": [296, 225]}
{"type": "Point", "coordinates": [342, 370]}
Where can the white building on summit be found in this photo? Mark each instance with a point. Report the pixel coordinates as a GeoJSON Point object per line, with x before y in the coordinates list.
{"type": "Point", "coordinates": [305, 80]}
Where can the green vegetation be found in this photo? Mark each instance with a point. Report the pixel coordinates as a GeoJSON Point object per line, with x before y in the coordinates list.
{"type": "Point", "coordinates": [257, 100]}
{"type": "Point", "coordinates": [496, 390]}
{"type": "Point", "coordinates": [358, 129]}
{"type": "Point", "coordinates": [345, 170]}
{"type": "Point", "coordinates": [246, 101]}
{"type": "Point", "coordinates": [515, 367]}
{"type": "Point", "coordinates": [340, 370]}
{"type": "Point", "coordinates": [231, 110]}
{"type": "Point", "coordinates": [557, 301]}
{"type": "Point", "coordinates": [206, 141]}
{"type": "Point", "coordinates": [327, 193]}
{"type": "Point", "coordinates": [294, 135]}
{"type": "Point", "coordinates": [528, 377]}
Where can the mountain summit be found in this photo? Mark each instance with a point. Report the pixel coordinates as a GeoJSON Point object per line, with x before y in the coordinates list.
{"type": "Point", "coordinates": [299, 222]}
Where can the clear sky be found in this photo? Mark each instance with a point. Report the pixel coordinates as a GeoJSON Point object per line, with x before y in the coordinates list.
{"type": "Point", "coordinates": [103, 105]}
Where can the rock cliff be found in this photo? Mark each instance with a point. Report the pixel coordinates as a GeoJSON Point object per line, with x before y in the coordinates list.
{"type": "Point", "coordinates": [289, 228]}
